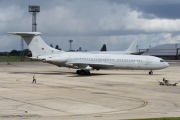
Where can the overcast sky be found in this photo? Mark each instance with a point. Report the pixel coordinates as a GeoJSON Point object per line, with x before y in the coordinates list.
{"type": "Point", "coordinates": [92, 23]}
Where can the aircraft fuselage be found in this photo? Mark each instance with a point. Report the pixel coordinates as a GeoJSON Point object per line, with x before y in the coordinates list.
{"type": "Point", "coordinates": [108, 61]}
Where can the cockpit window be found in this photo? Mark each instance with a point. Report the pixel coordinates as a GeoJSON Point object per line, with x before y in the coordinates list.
{"type": "Point", "coordinates": [162, 60]}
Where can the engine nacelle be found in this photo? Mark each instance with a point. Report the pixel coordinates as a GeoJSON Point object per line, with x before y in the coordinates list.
{"type": "Point", "coordinates": [55, 60]}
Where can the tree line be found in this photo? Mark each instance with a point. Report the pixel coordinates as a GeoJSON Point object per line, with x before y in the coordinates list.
{"type": "Point", "coordinates": [25, 52]}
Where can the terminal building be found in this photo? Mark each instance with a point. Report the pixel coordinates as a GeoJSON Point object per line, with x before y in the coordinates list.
{"type": "Point", "coordinates": [165, 51]}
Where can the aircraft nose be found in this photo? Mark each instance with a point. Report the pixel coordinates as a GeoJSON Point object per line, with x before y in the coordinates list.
{"type": "Point", "coordinates": [166, 64]}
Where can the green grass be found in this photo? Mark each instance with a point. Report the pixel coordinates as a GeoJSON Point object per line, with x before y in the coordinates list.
{"type": "Point", "coordinates": [172, 118]}
{"type": "Point", "coordinates": [13, 59]}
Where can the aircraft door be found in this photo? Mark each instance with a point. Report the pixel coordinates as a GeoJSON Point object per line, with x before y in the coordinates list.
{"type": "Point", "coordinates": [147, 60]}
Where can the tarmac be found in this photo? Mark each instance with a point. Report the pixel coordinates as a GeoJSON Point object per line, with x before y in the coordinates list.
{"type": "Point", "coordinates": [60, 94]}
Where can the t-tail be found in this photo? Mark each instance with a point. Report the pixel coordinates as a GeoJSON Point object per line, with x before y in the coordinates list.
{"type": "Point", "coordinates": [36, 44]}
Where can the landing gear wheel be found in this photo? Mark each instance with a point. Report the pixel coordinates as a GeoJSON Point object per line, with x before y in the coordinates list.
{"type": "Point", "coordinates": [83, 72]}
{"type": "Point", "coordinates": [78, 72]}
{"type": "Point", "coordinates": [87, 72]}
{"type": "Point", "coordinates": [150, 72]}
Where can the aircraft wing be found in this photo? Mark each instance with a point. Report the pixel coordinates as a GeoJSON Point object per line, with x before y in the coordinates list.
{"type": "Point", "coordinates": [88, 65]}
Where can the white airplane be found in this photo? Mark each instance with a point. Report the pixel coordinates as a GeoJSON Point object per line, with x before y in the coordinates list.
{"type": "Point", "coordinates": [85, 62]}
{"type": "Point", "coordinates": [131, 50]}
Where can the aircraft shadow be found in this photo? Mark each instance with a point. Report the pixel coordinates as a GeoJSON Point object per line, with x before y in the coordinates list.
{"type": "Point", "coordinates": [92, 74]}
{"type": "Point", "coordinates": [73, 74]}
{"type": "Point", "coordinates": [45, 73]}
{"type": "Point", "coordinates": [117, 74]}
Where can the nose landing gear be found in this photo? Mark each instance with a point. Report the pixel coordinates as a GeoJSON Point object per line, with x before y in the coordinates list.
{"type": "Point", "coordinates": [151, 72]}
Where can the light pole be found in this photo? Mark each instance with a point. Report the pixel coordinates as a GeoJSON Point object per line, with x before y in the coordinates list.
{"type": "Point", "coordinates": [70, 42]}
{"type": "Point", "coordinates": [33, 9]}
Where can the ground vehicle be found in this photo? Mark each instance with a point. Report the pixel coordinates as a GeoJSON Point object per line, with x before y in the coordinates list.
{"type": "Point", "coordinates": [167, 83]}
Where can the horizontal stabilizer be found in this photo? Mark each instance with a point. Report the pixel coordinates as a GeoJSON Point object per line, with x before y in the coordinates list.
{"type": "Point", "coordinates": [25, 33]}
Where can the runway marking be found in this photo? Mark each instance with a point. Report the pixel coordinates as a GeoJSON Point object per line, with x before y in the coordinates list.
{"type": "Point", "coordinates": [20, 116]}
{"type": "Point", "coordinates": [80, 90]}
{"type": "Point", "coordinates": [98, 93]}
{"type": "Point", "coordinates": [34, 104]}
{"type": "Point", "coordinates": [72, 114]}
{"type": "Point", "coordinates": [19, 79]}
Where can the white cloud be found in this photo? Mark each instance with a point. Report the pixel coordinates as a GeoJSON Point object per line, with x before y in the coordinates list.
{"type": "Point", "coordinates": [13, 18]}
{"type": "Point", "coordinates": [60, 19]}
{"type": "Point", "coordinates": [86, 18]}
{"type": "Point", "coordinates": [128, 19]}
{"type": "Point", "coordinates": [168, 38]}
{"type": "Point", "coordinates": [90, 23]}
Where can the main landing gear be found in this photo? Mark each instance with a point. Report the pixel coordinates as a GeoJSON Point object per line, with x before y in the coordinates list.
{"type": "Point", "coordinates": [150, 72]}
{"type": "Point", "coordinates": [83, 72]}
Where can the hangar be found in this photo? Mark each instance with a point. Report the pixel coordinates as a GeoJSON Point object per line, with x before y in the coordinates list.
{"type": "Point", "coordinates": [165, 51]}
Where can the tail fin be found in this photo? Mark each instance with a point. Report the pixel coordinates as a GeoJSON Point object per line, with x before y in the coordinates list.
{"type": "Point", "coordinates": [132, 47]}
{"type": "Point", "coordinates": [103, 48]}
{"type": "Point", "coordinates": [35, 43]}
{"type": "Point", "coordinates": [80, 49]}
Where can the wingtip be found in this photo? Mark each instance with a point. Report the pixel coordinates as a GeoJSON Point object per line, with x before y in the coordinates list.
{"type": "Point", "coordinates": [9, 33]}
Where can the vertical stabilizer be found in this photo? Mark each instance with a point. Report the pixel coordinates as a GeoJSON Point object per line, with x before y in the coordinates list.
{"type": "Point", "coordinates": [35, 43]}
{"type": "Point", "coordinates": [103, 48]}
{"type": "Point", "coordinates": [132, 47]}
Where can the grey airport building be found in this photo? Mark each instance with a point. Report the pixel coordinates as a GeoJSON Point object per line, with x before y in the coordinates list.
{"type": "Point", "coordinates": [165, 51]}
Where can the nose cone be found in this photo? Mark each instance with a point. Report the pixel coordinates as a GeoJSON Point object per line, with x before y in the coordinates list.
{"type": "Point", "coordinates": [166, 64]}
